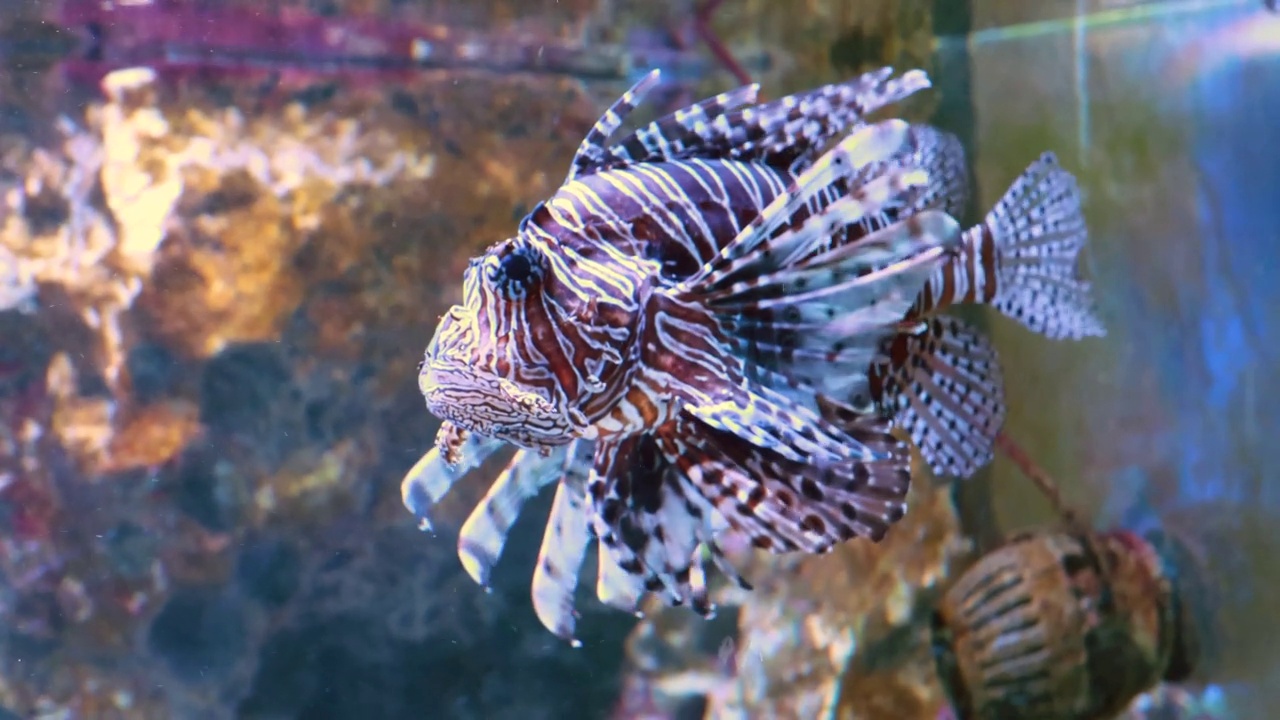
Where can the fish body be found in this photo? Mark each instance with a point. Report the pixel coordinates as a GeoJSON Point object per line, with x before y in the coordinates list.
{"type": "Point", "coordinates": [938, 378]}
{"type": "Point", "coordinates": [577, 289]}
{"type": "Point", "coordinates": [641, 340]}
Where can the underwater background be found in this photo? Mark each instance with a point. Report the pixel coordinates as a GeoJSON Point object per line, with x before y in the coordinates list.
{"type": "Point", "coordinates": [224, 245]}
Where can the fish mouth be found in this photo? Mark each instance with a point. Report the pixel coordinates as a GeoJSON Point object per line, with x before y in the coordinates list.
{"type": "Point", "coordinates": [491, 406]}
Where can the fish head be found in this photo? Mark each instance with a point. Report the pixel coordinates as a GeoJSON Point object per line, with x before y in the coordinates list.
{"type": "Point", "coordinates": [529, 352]}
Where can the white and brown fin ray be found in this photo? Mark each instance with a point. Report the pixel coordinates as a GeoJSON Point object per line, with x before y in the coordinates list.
{"type": "Point", "coordinates": [564, 547]}
{"type": "Point", "coordinates": [854, 413]}
{"type": "Point", "coordinates": [785, 506]}
{"type": "Point", "coordinates": [771, 421]}
{"type": "Point", "coordinates": [750, 252]}
{"type": "Point", "coordinates": [692, 132]}
{"type": "Point", "coordinates": [815, 233]}
{"type": "Point", "coordinates": [616, 585]}
{"type": "Point", "coordinates": [642, 519]}
{"type": "Point", "coordinates": [838, 282]}
{"type": "Point", "coordinates": [622, 578]}
{"type": "Point", "coordinates": [675, 440]}
{"type": "Point", "coordinates": [456, 453]}
{"type": "Point", "coordinates": [821, 321]}
{"type": "Point", "coordinates": [945, 388]}
{"type": "Point", "coordinates": [485, 532]}
{"type": "Point", "coordinates": [835, 109]}
{"type": "Point", "coordinates": [592, 151]}
{"type": "Point", "coordinates": [1038, 230]}
{"type": "Point", "coordinates": [941, 154]}
{"type": "Point", "coordinates": [785, 134]}
{"type": "Point", "coordinates": [688, 360]}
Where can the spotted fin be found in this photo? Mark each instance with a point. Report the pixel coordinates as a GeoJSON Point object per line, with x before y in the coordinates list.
{"type": "Point", "coordinates": [945, 388]}
{"type": "Point", "coordinates": [817, 317]}
{"type": "Point", "coordinates": [456, 453]}
{"type": "Point", "coordinates": [687, 356]}
{"type": "Point", "coordinates": [485, 532]}
{"type": "Point", "coordinates": [620, 579]}
{"type": "Point", "coordinates": [655, 526]}
{"type": "Point", "coordinates": [801, 319]}
{"type": "Point", "coordinates": [770, 421]}
{"type": "Point", "coordinates": [1038, 230]}
{"type": "Point", "coordinates": [940, 156]}
{"type": "Point", "coordinates": [787, 133]}
{"type": "Point", "coordinates": [564, 547]}
{"type": "Point", "coordinates": [592, 150]}
{"type": "Point", "coordinates": [878, 273]}
{"type": "Point", "coordinates": [784, 506]}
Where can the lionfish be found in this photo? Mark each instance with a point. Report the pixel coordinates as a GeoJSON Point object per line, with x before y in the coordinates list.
{"type": "Point", "coordinates": [648, 336]}
{"type": "Point", "coordinates": [940, 378]}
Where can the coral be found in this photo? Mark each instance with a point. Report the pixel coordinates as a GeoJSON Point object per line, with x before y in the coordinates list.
{"type": "Point", "coordinates": [198, 632]}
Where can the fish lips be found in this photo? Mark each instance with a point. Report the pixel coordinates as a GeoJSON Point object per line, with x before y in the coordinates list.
{"type": "Point", "coordinates": [491, 406]}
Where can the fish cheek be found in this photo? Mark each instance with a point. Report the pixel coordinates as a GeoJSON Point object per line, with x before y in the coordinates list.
{"type": "Point", "coordinates": [547, 342]}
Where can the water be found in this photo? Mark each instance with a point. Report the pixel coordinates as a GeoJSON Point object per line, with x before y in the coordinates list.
{"type": "Point", "coordinates": [1169, 417]}
{"type": "Point", "coordinates": [221, 275]}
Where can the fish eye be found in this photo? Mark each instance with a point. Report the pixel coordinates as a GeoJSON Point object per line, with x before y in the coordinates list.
{"type": "Point", "coordinates": [514, 269]}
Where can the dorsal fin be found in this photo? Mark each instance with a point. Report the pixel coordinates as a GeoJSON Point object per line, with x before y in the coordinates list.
{"type": "Point", "coordinates": [592, 151]}
{"type": "Point", "coordinates": [788, 133]}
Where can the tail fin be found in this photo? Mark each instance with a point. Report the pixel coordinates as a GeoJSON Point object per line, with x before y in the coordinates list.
{"type": "Point", "coordinates": [1039, 230]}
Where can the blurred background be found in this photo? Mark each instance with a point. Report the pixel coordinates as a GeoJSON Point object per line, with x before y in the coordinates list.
{"type": "Point", "coordinates": [227, 230]}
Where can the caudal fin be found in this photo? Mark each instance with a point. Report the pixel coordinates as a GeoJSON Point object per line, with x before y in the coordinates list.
{"type": "Point", "coordinates": [1038, 230]}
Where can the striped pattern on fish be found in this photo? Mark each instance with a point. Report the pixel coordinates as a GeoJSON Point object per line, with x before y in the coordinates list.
{"type": "Point", "coordinates": [947, 390]}
{"type": "Point", "coordinates": [788, 133]}
{"type": "Point", "coordinates": [1040, 288]}
{"type": "Point", "coordinates": [595, 250]}
{"type": "Point", "coordinates": [622, 324]}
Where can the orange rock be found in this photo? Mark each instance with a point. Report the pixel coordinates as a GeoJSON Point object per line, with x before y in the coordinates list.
{"type": "Point", "coordinates": [152, 436]}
